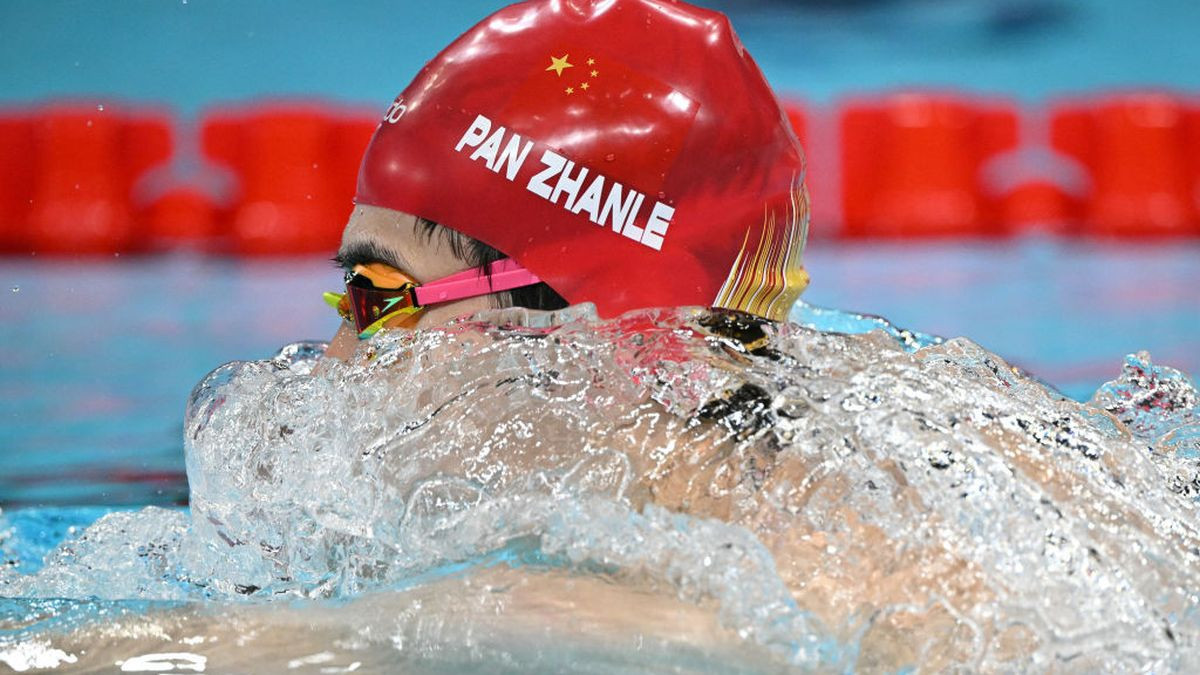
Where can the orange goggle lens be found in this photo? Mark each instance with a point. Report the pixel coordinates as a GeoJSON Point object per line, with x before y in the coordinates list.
{"type": "Point", "coordinates": [370, 308]}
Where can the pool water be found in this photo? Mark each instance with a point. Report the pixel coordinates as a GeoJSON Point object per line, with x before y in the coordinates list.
{"type": "Point", "coordinates": [1065, 310]}
{"type": "Point", "coordinates": [663, 492]}
{"type": "Point", "coordinates": [99, 355]}
{"type": "Point", "coordinates": [676, 490]}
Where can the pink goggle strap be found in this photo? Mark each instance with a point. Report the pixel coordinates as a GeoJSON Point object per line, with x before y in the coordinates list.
{"type": "Point", "coordinates": [506, 275]}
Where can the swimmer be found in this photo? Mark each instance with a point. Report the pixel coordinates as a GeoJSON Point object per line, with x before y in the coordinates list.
{"type": "Point", "coordinates": [624, 153]}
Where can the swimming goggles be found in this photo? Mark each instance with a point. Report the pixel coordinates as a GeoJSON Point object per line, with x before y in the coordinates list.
{"type": "Point", "coordinates": [377, 294]}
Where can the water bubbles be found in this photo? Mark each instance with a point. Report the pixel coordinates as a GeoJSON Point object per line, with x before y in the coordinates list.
{"type": "Point", "coordinates": [100, 107]}
{"type": "Point", "coordinates": [824, 496]}
{"type": "Point", "coordinates": [610, 157]}
{"type": "Point", "coordinates": [16, 289]}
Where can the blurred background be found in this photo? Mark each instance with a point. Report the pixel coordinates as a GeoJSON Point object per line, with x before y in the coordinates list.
{"type": "Point", "coordinates": [174, 175]}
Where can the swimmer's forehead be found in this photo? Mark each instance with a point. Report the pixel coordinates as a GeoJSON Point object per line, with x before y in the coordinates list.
{"type": "Point", "coordinates": [375, 235]}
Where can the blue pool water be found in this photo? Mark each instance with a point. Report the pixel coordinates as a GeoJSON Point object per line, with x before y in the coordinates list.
{"type": "Point", "coordinates": [206, 52]}
{"type": "Point", "coordinates": [1066, 311]}
{"type": "Point", "coordinates": [99, 355]}
{"type": "Point", "coordinates": [447, 504]}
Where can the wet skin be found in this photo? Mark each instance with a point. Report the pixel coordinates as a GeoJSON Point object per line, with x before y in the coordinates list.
{"type": "Point", "coordinates": [378, 235]}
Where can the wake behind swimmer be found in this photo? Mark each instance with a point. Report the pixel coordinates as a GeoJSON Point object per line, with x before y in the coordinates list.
{"type": "Point", "coordinates": [851, 504]}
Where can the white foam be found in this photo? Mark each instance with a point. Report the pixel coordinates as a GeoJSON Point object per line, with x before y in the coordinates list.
{"type": "Point", "coordinates": [34, 655]}
{"type": "Point", "coordinates": [842, 501]}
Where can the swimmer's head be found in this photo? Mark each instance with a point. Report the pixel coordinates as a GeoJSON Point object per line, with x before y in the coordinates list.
{"type": "Point", "coordinates": [628, 153]}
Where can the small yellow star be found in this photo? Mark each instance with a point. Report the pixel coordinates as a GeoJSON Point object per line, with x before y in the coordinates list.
{"type": "Point", "coordinates": [595, 73]}
{"type": "Point", "coordinates": [570, 90]}
{"type": "Point", "coordinates": [560, 64]}
{"type": "Point", "coordinates": [584, 86]}
{"type": "Point", "coordinates": [591, 62]}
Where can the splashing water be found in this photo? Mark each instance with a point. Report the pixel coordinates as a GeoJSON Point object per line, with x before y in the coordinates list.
{"type": "Point", "coordinates": [674, 489]}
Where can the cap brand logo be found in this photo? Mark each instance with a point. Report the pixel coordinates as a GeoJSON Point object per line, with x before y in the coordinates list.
{"type": "Point", "coordinates": [395, 111]}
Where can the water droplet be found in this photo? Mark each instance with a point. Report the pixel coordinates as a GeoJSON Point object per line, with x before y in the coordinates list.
{"type": "Point", "coordinates": [100, 107]}
{"type": "Point", "coordinates": [16, 289]}
{"type": "Point", "coordinates": [116, 255]}
{"type": "Point", "coordinates": [315, 165]}
{"type": "Point", "coordinates": [610, 157]}
{"type": "Point", "coordinates": [89, 123]}
{"type": "Point", "coordinates": [76, 64]}
{"type": "Point", "coordinates": [308, 197]}
{"type": "Point", "coordinates": [77, 186]}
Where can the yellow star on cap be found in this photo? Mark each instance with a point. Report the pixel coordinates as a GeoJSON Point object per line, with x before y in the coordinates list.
{"type": "Point", "coordinates": [560, 64]}
{"type": "Point", "coordinates": [570, 90]}
{"type": "Point", "coordinates": [584, 86]}
{"type": "Point", "coordinates": [591, 62]}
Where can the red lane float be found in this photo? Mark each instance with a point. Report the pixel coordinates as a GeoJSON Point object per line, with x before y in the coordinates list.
{"type": "Point", "coordinates": [812, 129]}
{"type": "Point", "coordinates": [16, 178]}
{"type": "Point", "coordinates": [85, 158]}
{"type": "Point", "coordinates": [296, 182]}
{"type": "Point", "coordinates": [184, 217]}
{"type": "Point", "coordinates": [1037, 205]}
{"type": "Point", "coordinates": [911, 162]}
{"type": "Point", "coordinates": [352, 130]}
{"type": "Point", "coordinates": [899, 165]}
{"type": "Point", "coordinates": [800, 118]}
{"type": "Point", "coordinates": [1140, 150]}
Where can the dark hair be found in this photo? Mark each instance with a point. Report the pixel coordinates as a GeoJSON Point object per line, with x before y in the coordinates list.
{"type": "Point", "coordinates": [478, 254]}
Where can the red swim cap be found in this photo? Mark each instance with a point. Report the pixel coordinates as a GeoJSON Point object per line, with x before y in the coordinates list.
{"type": "Point", "coordinates": [628, 152]}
